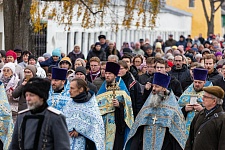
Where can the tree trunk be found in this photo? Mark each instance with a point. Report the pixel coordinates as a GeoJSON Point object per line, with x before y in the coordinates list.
{"type": "Point", "coordinates": [210, 26]}
{"type": "Point", "coordinates": [17, 23]}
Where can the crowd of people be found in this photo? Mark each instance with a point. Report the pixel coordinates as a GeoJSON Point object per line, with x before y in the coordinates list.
{"type": "Point", "coordinates": [147, 95]}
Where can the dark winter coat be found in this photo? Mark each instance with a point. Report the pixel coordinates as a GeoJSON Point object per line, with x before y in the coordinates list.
{"type": "Point", "coordinates": [94, 53]}
{"type": "Point", "coordinates": [214, 76]}
{"type": "Point", "coordinates": [209, 137]}
{"type": "Point", "coordinates": [134, 71]}
{"type": "Point", "coordinates": [135, 92]}
{"type": "Point", "coordinates": [113, 52]}
{"type": "Point", "coordinates": [98, 82]}
{"type": "Point", "coordinates": [49, 62]}
{"type": "Point", "coordinates": [221, 83]}
{"type": "Point", "coordinates": [170, 43]}
{"type": "Point", "coordinates": [175, 86]}
{"type": "Point", "coordinates": [183, 75]}
{"type": "Point", "coordinates": [45, 128]}
{"type": "Point", "coordinates": [74, 56]}
{"type": "Point", "coordinates": [22, 101]}
{"type": "Point", "coordinates": [184, 43]}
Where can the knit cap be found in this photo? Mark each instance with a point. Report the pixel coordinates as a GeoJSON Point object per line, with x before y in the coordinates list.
{"type": "Point", "coordinates": [56, 52]}
{"type": "Point", "coordinates": [10, 65]}
{"type": "Point", "coordinates": [32, 68]}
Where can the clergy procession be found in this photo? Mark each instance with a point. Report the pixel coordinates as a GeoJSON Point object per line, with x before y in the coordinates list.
{"type": "Point", "coordinates": [147, 95]}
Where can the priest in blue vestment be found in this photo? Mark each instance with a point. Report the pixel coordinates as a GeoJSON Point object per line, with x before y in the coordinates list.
{"type": "Point", "coordinates": [115, 106]}
{"type": "Point", "coordinates": [160, 123]}
{"type": "Point", "coordinates": [59, 92]}
{"type": "Point", "coordinates": [191, 100]}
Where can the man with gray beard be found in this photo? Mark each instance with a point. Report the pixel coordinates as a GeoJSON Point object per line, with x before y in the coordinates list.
{"type": "Point", "coordinates": [38, 126]}
{"type": "Point", "coordinates": [160, 122]}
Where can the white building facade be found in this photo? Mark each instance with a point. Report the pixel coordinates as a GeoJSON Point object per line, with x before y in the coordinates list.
{"type": "Point", "coordinates": [169, 21]}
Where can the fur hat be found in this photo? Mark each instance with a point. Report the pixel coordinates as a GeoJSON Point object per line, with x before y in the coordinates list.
{"type": "Point", "coordinates": [161, 79]}
{"type": "Point", "coordinates": [112, 67]}
{"type": "Point", "coordinates": [11, 53]}
{"type": "Point", "coordinates": [59, 73]}
{"type": "Point", "coordinates": [38, 86]}
{"type": "Point", "coordinates": [32, 68]}
{"type": "Point", "coordinates": [10, 65]}
{"type": "Point", "coordinates": [81, 69]}
{"type": "Point", "coordinates": [200, 74]}
{"type": "Point", "coordinates": [215, 90]}
{"type": "Point", "coordinates": [67, 59]}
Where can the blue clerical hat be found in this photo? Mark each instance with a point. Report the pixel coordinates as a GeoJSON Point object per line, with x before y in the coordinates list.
{"type": "Point", "coordinates": [200, 74]}
{"type": "Point", "coordinates": [112, 67]}
{"type": "Point", "coordinates": [161, 79]}
{"type": "Point", "coordinates": [59, 73]}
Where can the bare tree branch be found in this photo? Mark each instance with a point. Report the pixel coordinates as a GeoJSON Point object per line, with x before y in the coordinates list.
{"type": "Point", "coordinates": [94, 13]}
{"type": "Point", "coordinates": [205, 11]}
{"type": "Point", "coordinates": [221, 2]}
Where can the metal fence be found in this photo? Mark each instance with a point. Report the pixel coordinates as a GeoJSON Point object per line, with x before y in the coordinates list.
{"type": "Point", "coordinates": [40, 42]}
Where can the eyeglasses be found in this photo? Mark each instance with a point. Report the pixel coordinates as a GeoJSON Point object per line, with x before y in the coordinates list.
{"type": "Point", "coordinates": [6, 70]}
{"type": "Point", "coordinates": [208, 97]}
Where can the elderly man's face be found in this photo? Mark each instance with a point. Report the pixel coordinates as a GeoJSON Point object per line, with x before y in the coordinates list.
{"type": "Point", "coordinates": [178, 62]}
{"type": "Point", "coordinates": [137, 46]}
{"type": "Point", "coordinates": [208, 101]}
{"type": "Point", "coordinates": [33, 100]}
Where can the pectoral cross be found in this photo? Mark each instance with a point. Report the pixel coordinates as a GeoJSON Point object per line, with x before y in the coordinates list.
{"type": "Point", "coordinates": [113, 88]}
{"type": "Point", "coordinates": [154, 119]}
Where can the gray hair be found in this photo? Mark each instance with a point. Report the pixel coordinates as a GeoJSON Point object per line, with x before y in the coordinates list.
{"type": "Point", "coordinates": [113, 57]}
{"type": "Point", "coordinates": [218, 100]}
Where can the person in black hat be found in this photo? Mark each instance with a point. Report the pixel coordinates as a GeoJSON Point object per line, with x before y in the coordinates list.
{"type": "Point", "coordinates": [102, 40]}
{"type": "Point", "coordinates": [59, 92]}
{"type": "Point", "coordinates": [182, 42]}
{"type": "Point", "coordinates": [170, 42]}
{"type": "Point", "coordinates": [39, 125]}
{"type": "Point", "coordinates": [97, 51]}
{"type": "Point", "coordinates": [18, 50]}
{"type": "Point", "coordinates": [118, 116]}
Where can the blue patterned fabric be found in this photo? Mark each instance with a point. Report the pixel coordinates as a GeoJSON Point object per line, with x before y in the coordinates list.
{"type": "Point", "coordinates": [121, 85]}
{"type": "Point", "coordinates": [104, 99]}
{"type": "Point", "coordinates": [168, 115]}
{"type": "Point", "coordinates": [59, 100]}
{"type": "Point", "coordinates": [185, 99]}
{"type": "Point", "coordinates": [6, 122]}
{"type": "Point", "coordinates": [85, 118]}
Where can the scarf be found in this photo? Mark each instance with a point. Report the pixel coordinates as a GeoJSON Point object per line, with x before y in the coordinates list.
{"type": "Point", "coordinates": [81, 98]}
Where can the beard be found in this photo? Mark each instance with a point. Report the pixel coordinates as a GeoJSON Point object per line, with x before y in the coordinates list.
{"type": "Point", "coordinates": [156, 99]}
{"type": "Point", "coordinates": [32, 106]}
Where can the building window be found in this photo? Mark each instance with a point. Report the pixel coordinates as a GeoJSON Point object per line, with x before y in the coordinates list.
{"type": "Point", "coordinates": [191, 3]}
